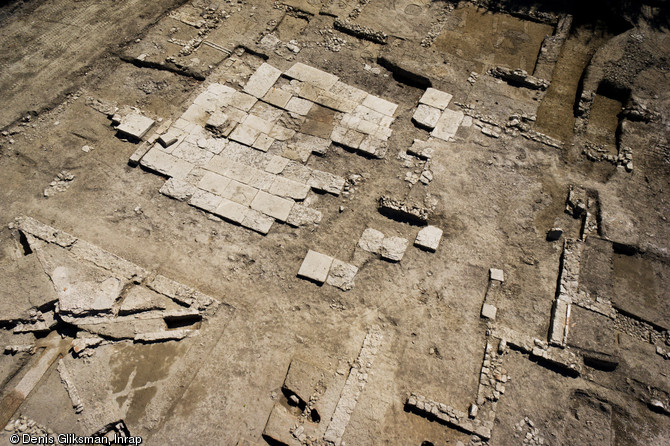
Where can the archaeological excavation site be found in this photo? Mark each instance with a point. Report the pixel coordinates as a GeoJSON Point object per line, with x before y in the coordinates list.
{"type": "Point", "coordinates": [335, 222]}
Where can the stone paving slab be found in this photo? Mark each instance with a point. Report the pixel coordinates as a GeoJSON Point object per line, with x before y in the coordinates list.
{"type": "Point", "coordinates": [135, 125]}
{"type": "Point", "coordinates": [311, 75]}
{"type": "Point", "coordinates": [231, 211]}
{"type": "Point", "coordinates": [229, 132]}
{"type": "Point", "coordinates": [341, 275]}
{"type": "Point", "coordinates": [257, 221]}
{"type": "Point", "coordinates": [285, 187]}
{"type": "Point", "coordinates": [272, 205]}
{"type": "Point", "coordinates": [380, 105]}
{"type": "Point", "coordinates": [429, 238]}
{"type": "Point", "coordinates": [239, 193]}
{"type": "Point", "coordinates": [371, 240]}
{"type": "Point", "coordinates": [393, 248]}
{"type": "Point", "coordinates": [436, 98]}
{"type": "Point", "coordinates": [204, 200]}
{"type": "Point", "coordinates": [447, 125]}
{"type": "Point", "coordinates": [214, 183]}
{"type": "Point", "coordinates": [315, 266]}
{"type": "Point", "coordinates": [302, 215]}
{"type": "Point", "coordinates": [426, 116]}
{"type": "Point", "coordinates": [178, 189]}
{"type": "Point", "coordinates": [262, 80]}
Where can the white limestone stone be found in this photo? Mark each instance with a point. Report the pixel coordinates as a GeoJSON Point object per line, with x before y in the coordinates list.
{"type": "Point", "coordinates": [489, 311]}
{"type": "Point", "coordinates": [232, 211]}
{"type": "Point", "coordinates": [257, 221]}
{"type": "Point", "coordinates": [302, 215]}
{"type": "Point", "coordinates": [371, 240]}
{"type": "Point", "coordinates": [429, 238]}
{"type": "Point", "coordinates": [436, 98]}
{"type": "Point", "coordinates": [447, 125]}
{"type": "Point", "coordinates": [285, 187]}
{"type": "Point", "coordinates": [214, 183]}
{"type": "Point", "coordinates": [135, 125]}
{"type": "Point", "coordinates": [299, 106]}
{"type": "Point", "coordinates": [312, 75]}
{"type": "Point", "coordinates": [239, 193]}
{"type": "Point", "coordinates": [496, 274]}
{"type": "Point", "coordinates": [177, 189]}
{"type": "Point", "coordinates": [393, 248]}
{"type": "Point", "coordinates": [315, 266]}
{"type": "Point", "coordinates": [326, 182]}
{"type": "Point", "coordinates": [426, 116]}
{"type": "Point", "coordinates": [380, 105]}
{"type": "Point", "coordinates": [262, 80]}
{"type": "Point", "coordinates": [272, 205]}
{"type": "Point", "coordinates": [341, 275]}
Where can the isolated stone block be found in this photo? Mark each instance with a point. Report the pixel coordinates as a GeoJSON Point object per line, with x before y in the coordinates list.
{"type": "Point", "coordinates": [315, 266]}
{"type": "Point", "coordinates": [429, 238]}
{"type": "Point", "coordinates": [393, 248]}
{"type": "Point", "coordinates": [135, 125]}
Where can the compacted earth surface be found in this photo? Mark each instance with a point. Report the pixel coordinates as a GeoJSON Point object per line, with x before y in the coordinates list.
{"type": "Point", "coordinates": [335, 222]}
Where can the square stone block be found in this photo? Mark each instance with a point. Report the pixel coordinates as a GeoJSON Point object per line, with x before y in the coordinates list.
{"type": "Point", "coordinates": [371, 240]}
{"type": "Point", "coordinates": [272, 205]}
{"type": "Point", "coordinates": [435, 98]}
{"type": "Point", "coordinates": [315, 267]}
{"type": "Point", "coordinates": [429, 238]}
{"type": "Point", "coordinates": [393, 248]}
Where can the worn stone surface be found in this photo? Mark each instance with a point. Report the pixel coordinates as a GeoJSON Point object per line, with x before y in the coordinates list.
{"type": "Point", "coordinates": [135, 125]}
{"type": "Point", "coordinates": [371, 240]}
{"type": "Point", "coordinates": [315, 266]}
{"type": "Point", "coordinates": [393, 248]}
{"type": "Point", "coordinates": [429, 238]}
{"type": "Point", "coordinates": [342, 275]}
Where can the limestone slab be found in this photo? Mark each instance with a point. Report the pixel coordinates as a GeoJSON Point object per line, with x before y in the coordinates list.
{"type": "Point", "coordinates": [214, 183]}
{"type": "Point", "coordinates": [262, 80]}
{"type": "Point", "coordinates": [426, 116]}
{"type": "Point", "coordinates": [135, 125]}
{"type": "Point", "coordinates": [371, 240]}
{"type": "Point", "coordinates": [263, 142]}
{"type": "Point", "coordinates": [326, 182]}
{"type": "Point", "coordinates": [299, 106]}
{"type": "Point", "coordinates": [436, 98]}
{"type": "Point", "coordinates": [204, 200]}
{"type": "Point", "coordinates": [489, 311]}
{"type": "Point", "coordinates": [380, 105]}
{"type": "Point", "coordinates": [276, 164]}
{"type": "Point", "coordinates": [232, 211]}
{"type": "Point", "coordinates": [272, 205]}
{"type": "Point", "coordinates": [239, 193]}
{"type": "Point", "coordinates": [393, 248]}
{"type": "Point", "coordinates": [158, 160]}
{"type": "Point", "coordinates": [285, 187]}
{"type": "Point", "coordinates": [312, 75]}
{"type": "Point", "coordinates": [301, 215]}
{"type": "Point", "coordinates": [243, 101]}
{"type": "Point", "coordinates": [447, 125]}
{"type": "Point", "coordinates": [257, 221]}
{"type": "Point", "coordinates": [192, 153]}
{"type": "Point", "coordinates": [429, 238]}
{"type": "Point", "coordinates": [496, 274]}
{"type": "Point", "coordinates": [260, 124]}
{"type": "Point", "coordinates": [315, 266]}
{"type": "Point", "coordinates": [244, 134]}
{"type": "Point", "coordinates": [341, 275]}
{"type": "Point", "coordinates": [277, 97]}
{"type": "Point", "coordinates": [177, 189]}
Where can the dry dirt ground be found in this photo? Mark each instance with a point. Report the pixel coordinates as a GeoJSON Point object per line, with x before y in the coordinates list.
{"type": "Point", "coordinates": [578, 350]}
